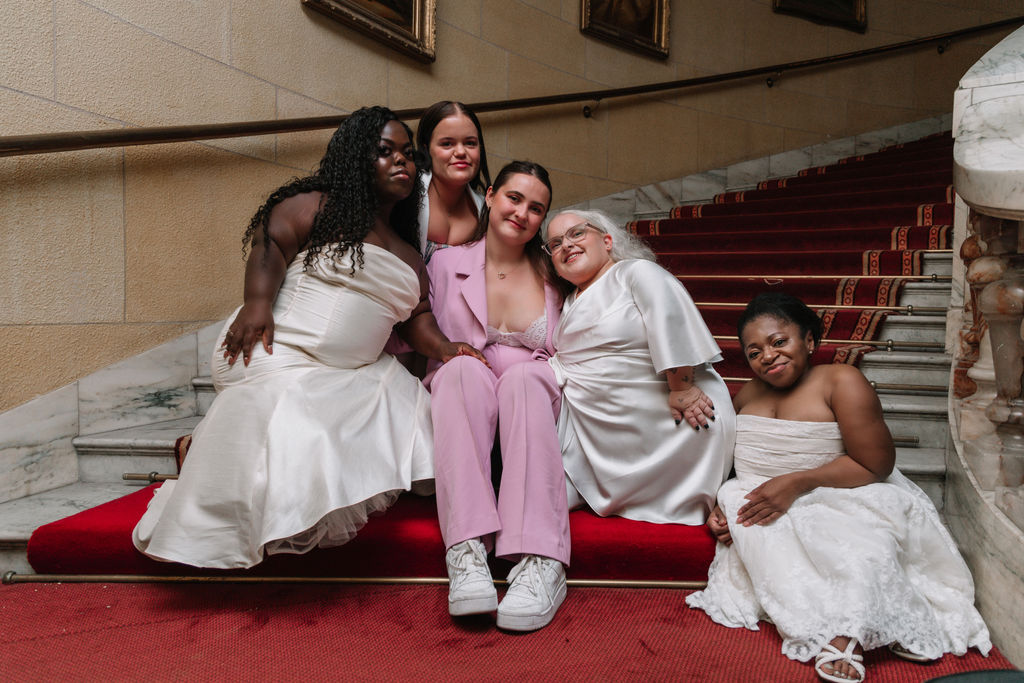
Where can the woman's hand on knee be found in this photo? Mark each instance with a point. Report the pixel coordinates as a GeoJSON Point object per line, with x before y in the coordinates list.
{"type": "Point", "coordinates": [693, 405]}
{"type": "Point", "coordinates": [771, 500]}
{"type": "Point", "coordinates": [254, 323]}
{"type": "Point", "coordinates": [719, 526]}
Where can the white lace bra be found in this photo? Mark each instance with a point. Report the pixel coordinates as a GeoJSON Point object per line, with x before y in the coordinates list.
{"type": "Point", "coordinates": [533, 337]}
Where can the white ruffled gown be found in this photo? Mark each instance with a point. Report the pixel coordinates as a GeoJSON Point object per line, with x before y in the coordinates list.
{"type": "Point", "coordinates": [872, 562]}
{"type": "Point", "coordinates": [302, 445]}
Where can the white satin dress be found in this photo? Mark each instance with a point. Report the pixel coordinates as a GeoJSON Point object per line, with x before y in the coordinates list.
{"type": "Point", "coordinates": [872, 562]}
{"type": "Point", "coordinates": [302, 445]}
{"type": "Point", "coordinates": [621, 449]}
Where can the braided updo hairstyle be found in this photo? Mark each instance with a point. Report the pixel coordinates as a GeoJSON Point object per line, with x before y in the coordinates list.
{"type": "Point", "coordinates": [346, 177]}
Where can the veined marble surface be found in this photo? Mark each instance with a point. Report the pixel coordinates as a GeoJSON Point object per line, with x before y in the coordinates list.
{"type": "Point", "coordinates": [35, 444]}
{"type": "Point", "coordinates": [988, 124]}
{"type": "Point", "coordinates": [19, 518]}
{"type": "Point", "coordinates": [151, 387]}
{"type": "Point", "coordinates": [1004, 63]}
{"type": "Point", "coordinates": [988, 157]}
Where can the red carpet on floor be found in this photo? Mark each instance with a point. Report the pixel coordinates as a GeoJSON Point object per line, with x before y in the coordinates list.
{"type": "Point", "coordinates": [273, 632]}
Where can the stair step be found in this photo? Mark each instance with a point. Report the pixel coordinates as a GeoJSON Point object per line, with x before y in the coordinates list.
{"type": "Point", "coordinates": [907, 367]}
{"type": "Point", "coordinates": [922, 415]}
{"type": "Point", "coordinates": [926, 467]}
{"type": "Point", "coordinates": [19, 518]}
{"type": "Point", "coordinates": [929, 329]}
{"type": "Point", "coordinates": [925, 294]}
{"type": "Point", "coordinates": [937, 263]}
{"type": "Point", "coordinates": [205, 393]}
{"type": "Point", "coordinates": [104, 457]}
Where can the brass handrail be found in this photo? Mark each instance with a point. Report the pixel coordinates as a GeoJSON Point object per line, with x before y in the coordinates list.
{"type": "Point", "coordinates": [43, 143]}
{"type": "Point", "coordinates": [909, 309]}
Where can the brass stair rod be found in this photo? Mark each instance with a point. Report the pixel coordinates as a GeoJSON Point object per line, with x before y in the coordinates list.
{"type": "Point", "coordinates": [910, 309]}
{"type": "Point", "coordinates": [876, 385]}
{"type": "Point", "coordinates": [14, 577]}
{"type": "Point", "coordinates": [150, 477]}
{"type": "Point", "coordinates": [888, 343]}
{"type": "Point", "coordinates": [923, 278]}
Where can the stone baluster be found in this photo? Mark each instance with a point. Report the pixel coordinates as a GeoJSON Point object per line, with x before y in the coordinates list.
{"type": "Point", "coordinates": [1001, 302]}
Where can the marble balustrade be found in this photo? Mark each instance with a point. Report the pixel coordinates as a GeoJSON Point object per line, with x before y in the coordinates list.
{"type": "Point", "coordinates": [985, 467]}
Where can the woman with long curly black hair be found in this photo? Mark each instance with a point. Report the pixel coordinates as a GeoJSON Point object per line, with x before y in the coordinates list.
{"type": "Point", "coordinates": [317, 428]}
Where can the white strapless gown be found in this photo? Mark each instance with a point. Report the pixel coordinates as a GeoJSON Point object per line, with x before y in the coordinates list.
{"type": "Point", "coordinates": [872, 562]}
{"type": "Point", "coordinates": [302, 445]}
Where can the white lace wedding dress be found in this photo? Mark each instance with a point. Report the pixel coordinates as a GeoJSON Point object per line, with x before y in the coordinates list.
{"type": "Point", "coordinates": [872, 562]}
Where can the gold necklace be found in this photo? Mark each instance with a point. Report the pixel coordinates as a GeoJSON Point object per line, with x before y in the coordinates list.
{"type": "Point", "coordinates": [504, 274]}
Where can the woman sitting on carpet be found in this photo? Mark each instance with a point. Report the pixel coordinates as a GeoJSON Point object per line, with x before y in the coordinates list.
{"type": "Point", "coordinates": [818, 532]}
{"type": "Point", "coordinates": [302, 444]}
{"type": "Point", "coordinates": [634, 363]}
{"type": "Point", "coordinates": [496, 293]}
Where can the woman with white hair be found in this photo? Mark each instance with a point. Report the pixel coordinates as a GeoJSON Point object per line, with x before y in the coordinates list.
{"type": "Point", "coordinates": [646, 424]}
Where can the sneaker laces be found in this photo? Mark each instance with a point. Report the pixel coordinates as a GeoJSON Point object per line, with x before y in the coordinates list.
{"type": "Point", "coordinates": [471, 561]}
{"type": "Point", "coordinates": [529, 575]}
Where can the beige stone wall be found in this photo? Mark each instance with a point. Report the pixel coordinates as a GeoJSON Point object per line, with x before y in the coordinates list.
{"type": "Point", "coordinates": [105, 253]}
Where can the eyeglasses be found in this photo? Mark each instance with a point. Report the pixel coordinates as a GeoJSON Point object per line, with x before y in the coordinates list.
{"type": "Point", "coordinates": [573, 235]}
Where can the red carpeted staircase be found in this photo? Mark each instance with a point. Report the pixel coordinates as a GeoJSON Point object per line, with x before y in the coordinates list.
{"type": "Point", "coordinates": [853, 239]}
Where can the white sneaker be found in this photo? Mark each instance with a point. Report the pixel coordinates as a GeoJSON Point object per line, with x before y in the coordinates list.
{"type": "Point", "coordinates": [536, 591]}
{"type": "Point", "coordinates": [470, 587]}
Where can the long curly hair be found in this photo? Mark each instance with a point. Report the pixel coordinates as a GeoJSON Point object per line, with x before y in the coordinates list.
{"type": "Point", "coordinates": [438, 112]}
{"type": "Point", "coordinates": [346, 177]}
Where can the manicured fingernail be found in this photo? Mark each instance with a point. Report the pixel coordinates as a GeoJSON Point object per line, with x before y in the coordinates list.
{"type": "Point", "coordinates": [712, 418]}
{"type": "Point", "coordinates": [678, 422]}
{"type": "Point", "coordinates": [707, 426]}
{"type": "Point", "coordinates": [696, 428]}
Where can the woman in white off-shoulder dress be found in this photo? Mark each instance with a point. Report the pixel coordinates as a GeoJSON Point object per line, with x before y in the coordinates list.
{"type": "Point", "coordinates": [317, 428]}
{"type": "Point", "coordinates": [818, 532]}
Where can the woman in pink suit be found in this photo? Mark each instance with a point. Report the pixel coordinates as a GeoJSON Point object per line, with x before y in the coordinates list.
{"type": "Point", "coordinates": [496, 292]}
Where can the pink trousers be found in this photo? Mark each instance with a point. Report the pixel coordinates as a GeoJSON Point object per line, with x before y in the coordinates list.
{"type": "Point", "coordinates": [530, 514]}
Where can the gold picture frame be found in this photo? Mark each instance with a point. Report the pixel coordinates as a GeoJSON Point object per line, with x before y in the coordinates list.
{"type": "Point", "coordinates": [405, 25]}
{"type": "Point", "coordinates": [640, 25]}
{"type": "Point", "coordinates": [849, 14]}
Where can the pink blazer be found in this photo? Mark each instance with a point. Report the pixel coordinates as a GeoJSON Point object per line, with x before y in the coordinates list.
{"type": "Point", "coordinates": [458, 296]}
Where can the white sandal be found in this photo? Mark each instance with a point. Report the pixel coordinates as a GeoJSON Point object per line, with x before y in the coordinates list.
{"type": "Point", "coordinates": [830, 654]}
{"type": "Point", "coordinates": [906, 654]}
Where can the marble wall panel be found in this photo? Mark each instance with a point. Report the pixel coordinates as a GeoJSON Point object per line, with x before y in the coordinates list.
{"type": "Point", "coordinates": [659, 196]}
{"type": "Point", "coordinates": [788, 163]}
{"type": "Point", "coordinates": [621, 206]}
{"type": "Point", "coordinates": [151, 387]}
{"type": "Point", "coordinates": [747, 174]}
{"type": "Point", "coordinates": [993, 548]}
{"type": "Point", "coordinates": [832, 151]}
{"type": "Point", "coordinates": [35, 444]}
{"type": "Point", "coordinates": [703, 186]}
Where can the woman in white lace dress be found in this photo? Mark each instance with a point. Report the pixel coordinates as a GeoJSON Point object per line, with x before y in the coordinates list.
{"type": "Point", "coordinates": [818, 532]}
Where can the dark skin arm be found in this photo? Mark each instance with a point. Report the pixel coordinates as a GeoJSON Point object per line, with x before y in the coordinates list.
{"type": "Point", "coordinates": [870, 456]}
{"type": "Point", "coordinates": [289, 225]}
{"type": "Point", "coordinates": [422, 333]}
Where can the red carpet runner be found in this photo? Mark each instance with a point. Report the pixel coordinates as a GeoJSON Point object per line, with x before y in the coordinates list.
{"type": "Point", "coordinates": [270, 632]}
